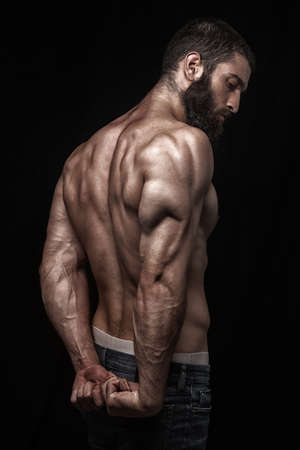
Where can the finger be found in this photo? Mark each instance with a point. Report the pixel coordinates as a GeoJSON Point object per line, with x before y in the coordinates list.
{"type": "Point", "coordinates": [97, 396]}
{"type": "Point", "coordinates": [133, 386]}
{"type": "Point", "coordinates": [80, 391]}
{"type": "Point", "coordinates": [113, 385]}
{"type": "Point", "coordinates": [124, 385]}
{"type": "Point", "coordinates": [88, 401]}
{"type": "Point", "coordinates": [111, 389]}
{"type": "Point", "coordinates": [104, 387]}
{"type": "Point", "coordinates": [111, 375]}
{"type": "Point", "coordinates": [87, 389]}
{"type": "Point", "coordinates": [78, 402]}
{"type": "Point", "coordinates": [81, 400]}
{"type": "Point", "coordinates": [74, 399]}
{"type": "Point", "coordinates": [74, 396]}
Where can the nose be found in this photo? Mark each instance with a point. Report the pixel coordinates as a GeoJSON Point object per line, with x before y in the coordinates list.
{"type": "Point", "coordinates": [233, 102]}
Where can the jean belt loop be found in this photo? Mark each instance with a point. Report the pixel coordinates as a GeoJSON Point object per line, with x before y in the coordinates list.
{"type": "Point", "coordinates": [136, 379]}
{"type": "Point", "coordinates": [181, 378]}
{"type": "Point", "coordinates": [104, 356]}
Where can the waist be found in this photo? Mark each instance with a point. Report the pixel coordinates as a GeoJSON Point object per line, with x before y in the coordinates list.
{"type": "Point", "coordinates": [126, 346]}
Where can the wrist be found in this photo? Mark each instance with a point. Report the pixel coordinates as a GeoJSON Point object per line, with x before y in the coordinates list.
{"type": "Point", "coordinates": [82, 364]}
{"type": "Point", "coordinates": [150, 404]}
{"type": "Point", "coordinates": [84, 358]}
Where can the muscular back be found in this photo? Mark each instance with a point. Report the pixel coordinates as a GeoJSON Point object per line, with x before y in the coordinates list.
{"type": "Point", "coordinates": [102, 186]}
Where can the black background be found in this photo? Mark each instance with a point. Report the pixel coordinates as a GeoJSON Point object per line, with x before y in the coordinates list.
{"type": "Point", "coordinates": [66, 74]}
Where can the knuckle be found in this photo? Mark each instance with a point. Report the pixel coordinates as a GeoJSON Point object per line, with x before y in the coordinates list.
{"type": "Point", "coordinates": [97, 400]}
{"type": "Point", "coordinates": [111, 412]}
{"type": "Point", "coordinates": [108, 403]}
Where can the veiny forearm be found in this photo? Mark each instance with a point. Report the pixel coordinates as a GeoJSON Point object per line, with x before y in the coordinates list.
{"type": "Point", "coordinates": [66, 299]}
{"type": "Point", "coordinates": [157, 319]}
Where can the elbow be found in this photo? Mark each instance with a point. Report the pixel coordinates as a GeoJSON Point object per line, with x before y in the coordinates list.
{"type": "Point", "coordinates": [157, 288]}
{"type": "Point", "coordinates": [153, 409]}
{"type": "Point", "coordinates": [48, 279]}
{"type": "Point", "coordinates": [44, 264]}
{"type": "Point", "coordinates": [43, 271]}
{"type": "Point", "coordinates": [42, 277]}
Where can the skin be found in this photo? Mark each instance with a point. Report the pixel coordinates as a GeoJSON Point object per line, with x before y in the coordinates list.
{"type": "Point", "coordinates": [137, 203]}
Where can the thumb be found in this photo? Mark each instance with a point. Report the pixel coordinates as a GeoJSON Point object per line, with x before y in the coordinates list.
{"type": "Point", "coordinates": [110, 386]}
{"type": "Point", "coordinates": [124, 385]}
{"type": "Point", "coordinates": [113, 385]}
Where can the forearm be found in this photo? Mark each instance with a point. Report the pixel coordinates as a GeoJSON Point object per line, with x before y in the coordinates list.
{"type": "Point", "coordinates": [157, 320]}
{"type": "Point", "coordinates": [66, 299]}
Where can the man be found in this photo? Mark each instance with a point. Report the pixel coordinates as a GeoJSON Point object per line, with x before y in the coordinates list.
{"type": "Point", "coordinates": [136, 203]}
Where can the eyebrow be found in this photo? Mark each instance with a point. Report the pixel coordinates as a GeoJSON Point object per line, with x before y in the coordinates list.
{"type": "Point", "coordinates": [240, 81]}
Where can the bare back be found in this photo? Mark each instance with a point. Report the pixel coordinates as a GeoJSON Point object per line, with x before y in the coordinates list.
{"type": "Point", "coordinates": [102, 185]}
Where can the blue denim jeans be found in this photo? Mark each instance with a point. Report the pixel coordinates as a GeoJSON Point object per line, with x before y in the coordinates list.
{"type": "Point", "coordinates": [181, 424]}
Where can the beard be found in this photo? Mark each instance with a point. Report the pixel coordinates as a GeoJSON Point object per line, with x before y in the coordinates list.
{"type": "Point", "coordinates": [200, 108]}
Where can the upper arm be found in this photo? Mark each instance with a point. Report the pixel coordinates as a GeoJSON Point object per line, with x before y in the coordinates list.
{"type": "Point", "coordinates": [175, 183]}
{"type": "Point", "coordinates": [62, 244]}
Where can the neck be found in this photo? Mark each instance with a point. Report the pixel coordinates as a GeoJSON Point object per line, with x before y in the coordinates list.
{"type": "Point", "coordinates": [165, 100]}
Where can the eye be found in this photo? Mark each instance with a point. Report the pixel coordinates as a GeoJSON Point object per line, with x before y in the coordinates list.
{"type": "Point", "coordinates": [231, 86]}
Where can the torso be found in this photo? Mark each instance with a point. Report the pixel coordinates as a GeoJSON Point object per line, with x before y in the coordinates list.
{"type": "Point", "coordinates": [102, 188]}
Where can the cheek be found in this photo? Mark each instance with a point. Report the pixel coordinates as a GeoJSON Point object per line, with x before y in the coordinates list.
{"type": "Point", "coordinates": [219, 96]}
{"type": "Point", "coordinates": [217, 89]}
{"type": "Point", "coordinates": [218, 100]}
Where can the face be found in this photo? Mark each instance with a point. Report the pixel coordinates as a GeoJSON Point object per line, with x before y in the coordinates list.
{"type": "Point", "coordinates": [216, 97]}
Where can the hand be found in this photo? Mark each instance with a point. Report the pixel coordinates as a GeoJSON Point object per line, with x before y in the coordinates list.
{"type": "Point", "coordinates": [86, 391]}
{"type": "Point", "coordinates": [125, 402]}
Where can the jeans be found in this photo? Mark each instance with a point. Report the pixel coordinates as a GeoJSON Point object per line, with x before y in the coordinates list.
{"type": "Point", "coordinates": [181, 424]}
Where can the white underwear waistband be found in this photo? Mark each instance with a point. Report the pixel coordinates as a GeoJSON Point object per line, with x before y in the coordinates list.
{"type": "Point", "coordinates": [126, 346]}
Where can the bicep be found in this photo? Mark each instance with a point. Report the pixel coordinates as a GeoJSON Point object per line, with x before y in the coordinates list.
{"type": "Point", "coordinates": [165, 252]}
{"type": "Point", "coordinates": [169, 213]}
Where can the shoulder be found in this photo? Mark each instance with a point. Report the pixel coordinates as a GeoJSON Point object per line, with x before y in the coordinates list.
{"type": "Point", "coordinates": [184, 149]}
{"type": "Point", "coordinates": [100, 139]}
{"type": "Point", "coordinates": [197, 142]}
{"type": "Point", "coordinates": [195, 137]}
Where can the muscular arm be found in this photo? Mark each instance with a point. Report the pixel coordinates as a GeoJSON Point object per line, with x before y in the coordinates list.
{"type": "Point", "coordinates": [64, 285]}
{"type": "Point", "coordinates": [65, 294]}
{"type": "Point", "coordinates": [169, 212]}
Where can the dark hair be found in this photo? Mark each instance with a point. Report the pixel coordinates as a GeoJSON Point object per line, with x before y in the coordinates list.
{"type": "Point", "coordinates": [214, 39]}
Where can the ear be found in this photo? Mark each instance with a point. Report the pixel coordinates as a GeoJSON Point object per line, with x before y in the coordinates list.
{"type": "Point", "coordinates": [193, 66]}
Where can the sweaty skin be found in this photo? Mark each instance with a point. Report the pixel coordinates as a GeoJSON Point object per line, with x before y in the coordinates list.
{"type": "Point", "coordinates": [136, 201]}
